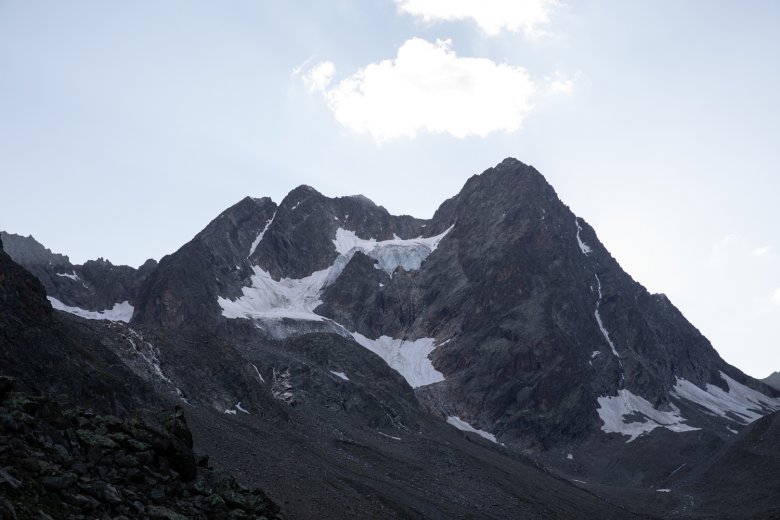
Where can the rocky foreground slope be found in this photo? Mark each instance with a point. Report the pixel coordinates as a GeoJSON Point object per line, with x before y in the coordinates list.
{"type": "Point", "coordinates": [70, 463]}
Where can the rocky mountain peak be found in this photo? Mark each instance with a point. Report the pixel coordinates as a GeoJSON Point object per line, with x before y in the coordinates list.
{"type": "Point", "coordinates": [298, 196]}
{"type": "Point", "coordinates": [22, 297]}
{"type": "Point", "coordinates": [28, 251]}
{"type": "Point", "coordinates": [773, 380]}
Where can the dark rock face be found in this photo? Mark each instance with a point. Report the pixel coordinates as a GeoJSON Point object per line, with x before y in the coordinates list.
{"type": "Point", "coordinates": [773, 380]}
{"type": "Point", "coordinates": [514, 295]}
{"type": "Point", "coordinates": [96, 285]}
{"type": "Point", "coordinates": [27, 250]}
{"type": "Point", "coordinates": [181, 294]}
{"type": "Point", "coordinates": [70, 463]}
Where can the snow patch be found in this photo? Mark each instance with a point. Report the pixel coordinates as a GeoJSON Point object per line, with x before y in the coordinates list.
{"type": "Point", "coordinates": [613, 411]}
{"type": "Point", "coordinates": [258, 373]}
{"type": "Point", "coordinates": [119, 312]}
{"type": "Point", "coordinates": [460, 424]}
{"type": "Point", "coordinates": [569, 457]}
{"type": "Point", "coordinates": [241, 408]}
{"type": "Point", "coordinates": [342, 375]}
{"type": "Point", "coordinates": [72, 276]}
{"type": "Point", "coordinates": [408, 358]}
{"type": "Point", "coordinates": [585, 248]}
{"type": "Point", "coordinates": [261, 235]}
{"type": "Point", "coordinates": [663, 490]}
{"type": "Point", "coordinates": [407, 254]}
{"type": "Point", "coordinates": [741, 401]}
{"type": "Point", "coordinates": [595, 353]}
{"type": "Point", "coordinates": [230, 412]}
{"type": "Point", "coordinates": [294, 298]}
{"type": "Point", "coordinates": [601, 324]}
{"type": "Point", "coordinates": [389, 436]}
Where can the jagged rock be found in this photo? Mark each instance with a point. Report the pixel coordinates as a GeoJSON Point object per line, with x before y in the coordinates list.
{"type": "Point", "coordinates": [7, 511]}
{"type": "Point", "coordinates": [773, 380]}
{"type": "Point", "coordinates": [6, 385]}
{"type": "Point", "coordinates": [163, 513]}
{"type": "Point", "coordinates": [102, 477]}
{"type": "Point", "coordinates": [6, 479]}
{"type": "Point", "coordinates": [90, 438]}
{"type": "Point", "coordinates": [59, 482]}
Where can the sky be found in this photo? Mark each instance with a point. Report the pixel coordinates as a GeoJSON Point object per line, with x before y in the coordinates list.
{"type": "Point", "coordinates": [125, 127]}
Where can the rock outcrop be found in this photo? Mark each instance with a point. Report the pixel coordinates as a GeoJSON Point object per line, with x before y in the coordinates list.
{"type": "Point", "coordinates": [69, 463]}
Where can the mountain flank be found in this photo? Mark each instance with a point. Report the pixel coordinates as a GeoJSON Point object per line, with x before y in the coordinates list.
{"type": "Point", "coordinates": [494, 361]}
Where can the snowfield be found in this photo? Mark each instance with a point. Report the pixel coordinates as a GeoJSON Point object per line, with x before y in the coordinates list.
{"type": "Point", "coordinates": [296, 298]}
{"type": "Point", "coordinates": [740, 404]}
{"type": "Point", "coordinates": [460, 424]}
{"type": "Point", "coordinates": [122, 311]}
{"type": "Point", "coordinates": [408, 254]}
{"type": "Point", "coordinates": [614, 409]}
{"type": "Point", "coordinates": [408, 358]}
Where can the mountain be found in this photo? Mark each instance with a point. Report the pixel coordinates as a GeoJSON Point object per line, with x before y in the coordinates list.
{"type": "Point", "coordinates": [96, 289]}
{"type": "Point", "coordinates": [492, 361]}
{"type": "Point", "coordinates": [323, 423]}
{"type": "Point", "coordinates": [773, 380]}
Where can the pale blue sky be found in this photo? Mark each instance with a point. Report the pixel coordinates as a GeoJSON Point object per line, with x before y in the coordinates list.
{"type": "Point", "coordinates": [126, 126]}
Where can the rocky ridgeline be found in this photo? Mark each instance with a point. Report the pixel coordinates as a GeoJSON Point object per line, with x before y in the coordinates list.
{"type": "Point", "coordinates": [69, 463]}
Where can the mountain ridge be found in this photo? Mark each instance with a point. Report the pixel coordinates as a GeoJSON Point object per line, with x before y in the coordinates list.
{"type": "Point", "coordinates": [503, 315]}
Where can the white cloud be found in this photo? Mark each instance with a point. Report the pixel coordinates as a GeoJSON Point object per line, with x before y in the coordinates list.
{"type": "Point", "coordinates": [492, 16]}
{"type": "Point", "coordinates": [560, 85]}
{"type": "Point", "coordinates": [298, 69]}
{"type": "Point", "coordinates": [776, 296]}
{"type": "Point", "coordinates": [762, 251]}
{"type": "Point", "coordinates": [428, 87]}
{"type": "Point", "coordinates": [319, 76]}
